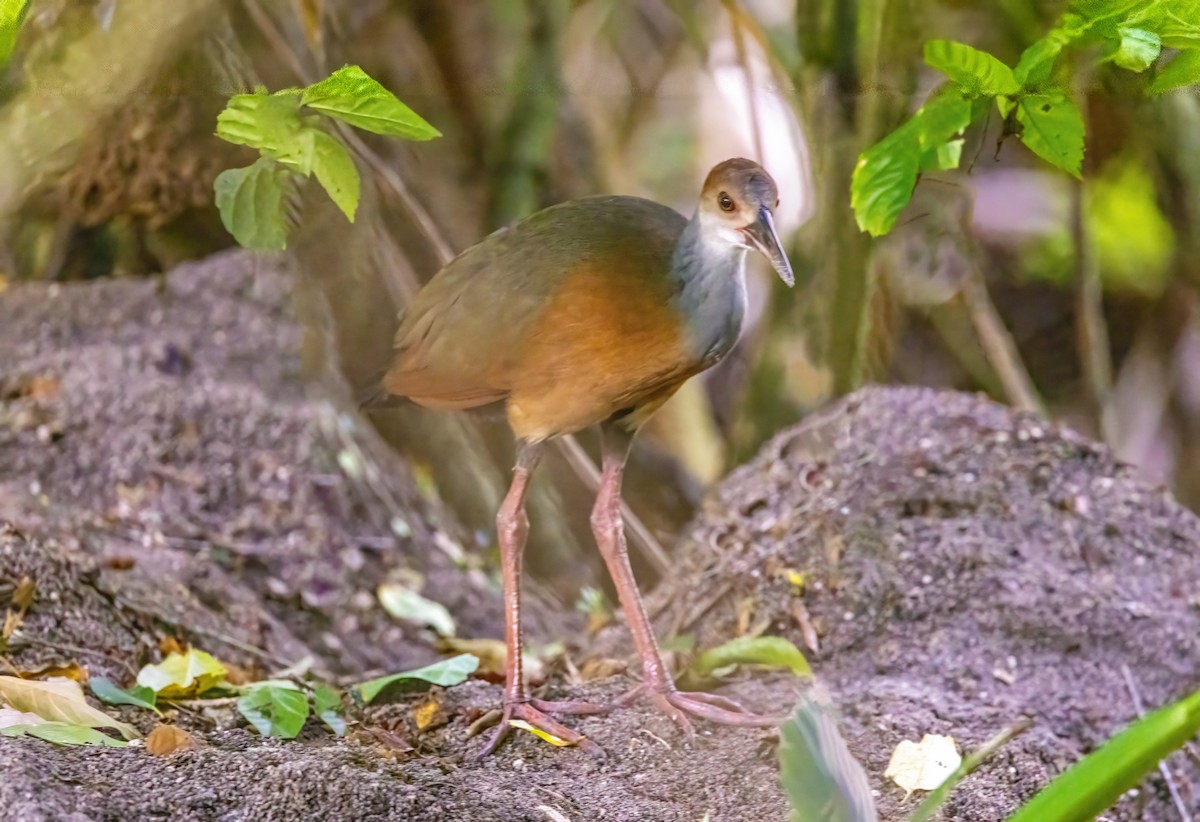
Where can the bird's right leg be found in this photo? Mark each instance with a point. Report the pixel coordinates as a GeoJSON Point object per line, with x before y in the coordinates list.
{"type": "Point", "coordinates": [512, 527]}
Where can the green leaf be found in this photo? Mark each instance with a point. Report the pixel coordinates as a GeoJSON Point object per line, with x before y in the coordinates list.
{"type": "Point", "coordinates": [1090, 786]}
{"type": "Point", "coordinates": [271, 124]}
{"type": "Point", "coordinates": [336, 172]}
{"type": "Point", "coordinates": [327, 705]}
{"type": "Point", "coordinates": [12, 16]}
{"type": "Point", "coordinates": [1052, 128]}
{"type": "Point", "coordinates": [976, 71]}
{"type": "Point", "coordinates": [404, 603]}
{"type": "Point", "coordinates": [944, 157]}
{"type": "Point", "coordinates": [352, 96]}
{"type": "Point", "coordinates": [883, 181]}
{"type": "Point", "coordinates": [251, 204]}
{"type": "Point", "coordinates": [771, 651]}
{"type": "Point", "coordinates": [1184, 70]}
{"type": "Point", "coordinates": [139, 695]}
{"type": "Point", "coordinates": [1037, 61]}
{"type": "Point", "coordinates": [182, 674]}
{"type": "Point", "coordinates": [276, 708]}
{"type": "Point", "coordinates": [886, 173]}
{"type": "Point", "coordinates": [58, 701]}
{"type": "Point", "coordinates": [1136, 49]}
{"type": "Point", "coordinates": [448, 672]}
{"type": "Point", "coordinates": [64, 733]}
{"type": "Point", "coordinates": [821, 777]}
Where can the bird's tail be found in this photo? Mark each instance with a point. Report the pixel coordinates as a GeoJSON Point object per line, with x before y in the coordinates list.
{"type": "Point", "coordinates": [374, 395]}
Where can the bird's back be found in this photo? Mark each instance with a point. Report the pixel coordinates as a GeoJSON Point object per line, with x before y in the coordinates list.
{"type": "Point", "coordinates": [557, 297]}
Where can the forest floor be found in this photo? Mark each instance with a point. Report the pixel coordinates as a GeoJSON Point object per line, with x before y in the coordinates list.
{"type": "Point", "coordinates": [166, 471]}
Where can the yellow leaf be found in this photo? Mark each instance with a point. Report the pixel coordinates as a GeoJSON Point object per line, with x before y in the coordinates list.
{"type": "Point", "coordinates": [182, 674]}
{"type": "Point", "coordinates": [538, 732]}
{"type": "Point", "coordinates": [58, 700]}
{"type": "Point", "coordinates": [924, 765]}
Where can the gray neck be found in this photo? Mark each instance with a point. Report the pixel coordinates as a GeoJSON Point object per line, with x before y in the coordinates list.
{"type": "Point", "coordinates": [710, 275]}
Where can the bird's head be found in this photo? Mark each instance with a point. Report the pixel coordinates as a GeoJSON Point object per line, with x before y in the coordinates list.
{"type": "Point", "coordinates": [737, 207]}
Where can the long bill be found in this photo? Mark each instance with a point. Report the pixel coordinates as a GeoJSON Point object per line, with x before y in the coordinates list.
{"type": "Point", "coordinates": [762, 235]}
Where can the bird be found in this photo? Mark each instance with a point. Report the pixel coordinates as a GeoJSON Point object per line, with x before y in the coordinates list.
{"type": "Point", "coordinates": [591, 312]}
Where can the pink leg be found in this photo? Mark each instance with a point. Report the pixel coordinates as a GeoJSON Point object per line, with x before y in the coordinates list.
{"type": "Point", "coordinates": [512, 527]}
{"type": "Point", "coordinates": [658, 684]}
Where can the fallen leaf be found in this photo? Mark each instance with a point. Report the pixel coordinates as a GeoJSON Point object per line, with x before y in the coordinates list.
{"type": "Point", "coordinates": [11, 716]}
{"type": "Point", "coordinates": [771, 651]}
{"type": "Point", "coordinates": [493, 657]}
{"type": "Point", "coordinates": [58, 700]}
{"type": "Point", "coordinates": [106, 690]}
{"type": "Point", "coordinates": [387, 743]}
{"type": "Point", "coordinates": [58, 670]}
{"type": "Point", "coordinates": [406, 604]}
{"type": "Point", "coordinates": [539, 733]}
{"type": "Point", "coordinates": [448, 672]}
{"type": "Point", "coordinates": [42, 387]}
{"type": "Point", "coordinates": [182, 674]}
{"type": "Point", "coordinates": [165, 740]}
{"type": "Point", "coordinates": [64, 733]}
{"type": "Point", "coordinates": [601, 667]}
{"type": "Point", "coordinates": [924, 765]}
{"type": "Point", "coordinates": [171, 645]}
{"type": "Point", "coordinates": [327, 705]}
{"type": "Point", "coordinates": [276, 708]}
{"type": "Point", "coordinates": [429, 713]}
{"type": "Point", "coordinates": [22, 598]}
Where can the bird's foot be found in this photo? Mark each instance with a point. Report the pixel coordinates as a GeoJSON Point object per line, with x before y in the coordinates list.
{"type": "Point", "coordinates": [678, 705]}
{"type": "Point", "coordinates": [531, 712]}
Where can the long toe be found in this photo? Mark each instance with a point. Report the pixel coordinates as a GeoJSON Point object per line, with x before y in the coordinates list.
{"type": "Point", "coordinates": [574, 707]}
{"type": "Point", "coordinates": [527, 713]}
{"type": "Point", "coordinates": [689, 703]}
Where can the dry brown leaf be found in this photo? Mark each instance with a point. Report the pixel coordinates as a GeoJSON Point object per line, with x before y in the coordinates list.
{"type": "Point", "coordinates": [492, 656]}
{"type": "Point", "coordinates": [170, 645]}
{"type": "Point", "coordinates": [165, 740]}
{"type": "Point", "coordinates": [58, 670]}
{"type": "Point", "coordinates": [22, 598]}
{"type": "Point", "coordinates": [599, 667]}
{"type": "Point", "coordinates": [42, 387]}
{"type": "Point", "coordinates": [387, 744]}
{"type": "Point", "coordinates": [58, 700]}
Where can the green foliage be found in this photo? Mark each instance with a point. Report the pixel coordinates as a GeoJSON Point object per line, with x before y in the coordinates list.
{"type": "Point", "coordinates": [771, 651]}
{"type": "Point", "coordinates": [820, 776]}
{"type": "Point", "coordinates": [12, 16]}
{"type": "Point", "coordinates": [1096, 782]}
{"type": "Point", "coordinates": [353, 97]}
{"type": "Point", "coordinates": [327, 706]}
{"type": "Point", "coordinates": [276, 707]}
{"type": "Point", "coordinates": [448, 672]}
{"type": "Point", "coordinates": [1184, 70]}
{"type": "Point", "coordinates": [64, 733]}
{"type": "Point", "coordinates": [1037, 101]}
{"type": "Point", "coordinates": [287, 129]}
{"type": "Point", "coordinates": [977, 72]}
{"type": "Point", "coordinates": [1052, 128]}
{"type": "Point", "coordinates": [251, 204]}
{"type": "Point", "coordinates": [139, 695]}
{"type": "Point", "coordinates": [886, 174]}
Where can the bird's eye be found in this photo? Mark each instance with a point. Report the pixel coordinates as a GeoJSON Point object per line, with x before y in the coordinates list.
{"type": "Point", "coordinates": [725, 202]}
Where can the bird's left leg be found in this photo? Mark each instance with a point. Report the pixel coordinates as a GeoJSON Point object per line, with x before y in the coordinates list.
{"type": "Point", "coordinates": [658, 685]}
{"type": "Point", "coordinates": [512, 527]}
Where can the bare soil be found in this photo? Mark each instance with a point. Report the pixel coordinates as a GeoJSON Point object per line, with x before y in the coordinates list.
{"type": "Point", "coordinates": [168, 472]}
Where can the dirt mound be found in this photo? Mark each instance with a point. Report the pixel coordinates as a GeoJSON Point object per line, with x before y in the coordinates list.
{"type": "Point", "coordinates": [964, 566]}
{"type": "Point", "coordinates": [171, 473]}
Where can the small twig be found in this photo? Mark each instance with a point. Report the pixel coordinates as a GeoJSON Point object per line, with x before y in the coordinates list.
{"type": "Point", "coordinates": [998, 345]}
{"type": "Point", "coordinates": [1172, 788]}
{"type": "Point", "coordinates": [970, 764]}
{"type": "Point", "coordinates": [219, 702]}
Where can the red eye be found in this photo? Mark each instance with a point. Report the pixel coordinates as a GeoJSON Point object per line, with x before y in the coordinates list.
{"type": "Point", "coordinates": [726, 202]}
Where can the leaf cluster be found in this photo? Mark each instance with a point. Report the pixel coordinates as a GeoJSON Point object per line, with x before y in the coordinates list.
{"type": "Point", "coordinates": [288, 128]}
{"type": "Point", "coordinates": [1033, 96]}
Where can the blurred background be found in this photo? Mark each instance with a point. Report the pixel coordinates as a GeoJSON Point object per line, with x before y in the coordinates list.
{"type": "Point", "coordinates": [1006, 276]}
